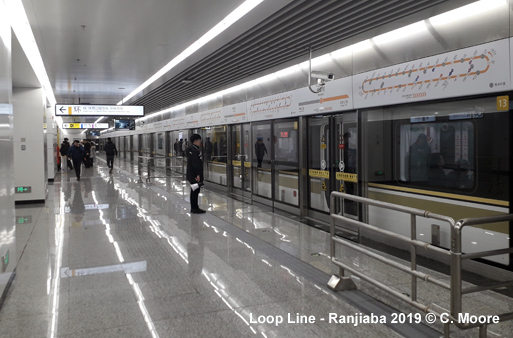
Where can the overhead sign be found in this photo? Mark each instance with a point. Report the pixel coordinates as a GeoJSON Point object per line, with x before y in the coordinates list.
{"type": "Point", "coordinates": [95, 110]}
{"type": "Point", "coordinates": [85, 125]}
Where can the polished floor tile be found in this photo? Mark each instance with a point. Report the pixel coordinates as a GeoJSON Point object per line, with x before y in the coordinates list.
{"type": "Point", "coordinates": [111, 256]}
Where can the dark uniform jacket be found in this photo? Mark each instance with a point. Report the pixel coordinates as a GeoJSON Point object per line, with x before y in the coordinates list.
{"type": "Point", "coordinates": [76, 153]}
{"type": "Point", "coordinates": [194, 164]}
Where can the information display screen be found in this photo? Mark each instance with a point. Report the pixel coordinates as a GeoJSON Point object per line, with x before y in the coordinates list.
{"type": "Point", "coordinates": [125, 124]}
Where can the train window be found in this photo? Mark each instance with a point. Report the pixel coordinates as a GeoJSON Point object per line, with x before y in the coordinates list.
{"type": "Point", "coordinates": [160, 140]}
{"type": "Point", "coordinates": [286, 140]}
{"type": "Point", "coordinates": [437, 154]}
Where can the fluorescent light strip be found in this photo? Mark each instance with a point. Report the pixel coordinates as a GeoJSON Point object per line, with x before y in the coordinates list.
{"type": "Point", "coordinates": [21, 27]}
{"type": "Point", "coordinates": [406, 31]}
{"type": "Point", "coordinates": [233, 17]}
{"type": "Point", "coordinates": [414, 28]}
{"type": "Point", "coordinates": [473, 9]}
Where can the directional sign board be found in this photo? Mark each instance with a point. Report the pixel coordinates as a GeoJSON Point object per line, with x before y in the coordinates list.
{"type": "Point", "coordinates": [85, 125]}
{"type": "Point", "coordinates": [96, 110]}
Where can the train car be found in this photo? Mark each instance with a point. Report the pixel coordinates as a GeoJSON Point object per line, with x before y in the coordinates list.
{"type": "Point", "coordinates": [418, 116]}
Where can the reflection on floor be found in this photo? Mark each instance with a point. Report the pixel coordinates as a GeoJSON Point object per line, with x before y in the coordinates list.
{"type": "Point", "coordinates": [111, 257]}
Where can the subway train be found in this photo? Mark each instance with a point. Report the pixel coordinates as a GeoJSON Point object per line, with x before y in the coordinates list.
{"type": "Point", "coordinates": [420, 120]}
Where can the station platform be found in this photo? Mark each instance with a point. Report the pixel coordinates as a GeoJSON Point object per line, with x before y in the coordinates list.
{"type": "Point", "coordinates": [111, 256]}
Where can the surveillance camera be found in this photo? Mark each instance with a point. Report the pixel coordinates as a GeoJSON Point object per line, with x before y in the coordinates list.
{"type": "Point", "coordinates": [323, 76]}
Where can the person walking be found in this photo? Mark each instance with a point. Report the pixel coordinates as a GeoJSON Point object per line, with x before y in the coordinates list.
{"type": "Point", "coordinates": [110, 151]}
{"type": "Point", "coordinates": [64, 154]}
{"type": "Point", "coordinates": [76, 153]}
{"type": "Point", "coordinates": [195, 172]}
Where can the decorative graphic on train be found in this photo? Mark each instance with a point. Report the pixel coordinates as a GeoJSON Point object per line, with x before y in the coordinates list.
{"type": "Point", "coordinates": [463, 72]}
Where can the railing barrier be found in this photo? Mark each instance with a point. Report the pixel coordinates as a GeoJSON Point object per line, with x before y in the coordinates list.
{"type": "Point", "coordinates": [341, 282]}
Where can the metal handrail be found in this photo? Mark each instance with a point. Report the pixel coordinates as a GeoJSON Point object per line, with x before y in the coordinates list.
{"type": "Point", "coordinates": [341, 282]}
{"type": "Point", "coordinates": [457, 257]}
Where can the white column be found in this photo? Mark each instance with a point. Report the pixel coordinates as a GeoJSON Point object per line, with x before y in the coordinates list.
{"type": "Point", "coordinates": [29, 143]}
{"type": "Point", "coordinates": [7, 227]}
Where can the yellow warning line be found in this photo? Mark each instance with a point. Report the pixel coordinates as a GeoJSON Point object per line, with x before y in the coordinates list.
{"type": "Point", "coordinates": [442, 194]}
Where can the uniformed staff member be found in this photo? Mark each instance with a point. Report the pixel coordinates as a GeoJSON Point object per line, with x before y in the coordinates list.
{"type": "Point", "coordinates": [195, 172]}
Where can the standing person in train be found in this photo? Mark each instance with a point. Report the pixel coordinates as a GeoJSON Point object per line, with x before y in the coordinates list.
{"type": "Point", "coordinates": [110, 151]}
{"type": "Point", "coordinates": [180, 147]}
{"type": "Point", "coordinates": [419, 152]}
{"type": "Point", "coordinates": [76, 153]}
{"type": "Point", "coordinates": [185, 146]}
{"type": "Point", "coordinates": [195, 172]}
{"type": "Point", "coordinates": [175, 147]}
{"type": "Point", "coordinates": [223, 150]}
{"type": "Point", "coordinates": [260, 150]}
{"type": "Point", "coordinates": [208, 149]}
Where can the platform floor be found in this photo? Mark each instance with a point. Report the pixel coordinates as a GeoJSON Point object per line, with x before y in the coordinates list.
{"type": "Point", "coordinates": [111, 257]}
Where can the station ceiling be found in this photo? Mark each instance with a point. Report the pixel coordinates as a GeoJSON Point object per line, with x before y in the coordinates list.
{"type": "Point", "coordinates": [99, 51]}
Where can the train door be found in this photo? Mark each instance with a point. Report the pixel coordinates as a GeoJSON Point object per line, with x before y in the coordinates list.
{"type": "Point", "coordinates": [151, 144]}
{"type": "Point", "coordinates": [261, 164]}
{"type": "Point", "coordinates": [346, 160]}
{"type": "Point", "coordinates": [332, 162]}
{"type": "Point", "coordinates": [119, 146]}
{"type": "Point", "coordinates": [131, 147]}
{"type": "Point", "coordinates": [125, 146]}
{"type": "Point", "coordinates": [179, 162]}
{"type": "Point", "coordinates": [151, 147]}
{"type": "Point", "coordinates": [168, 146]}
{"type": "Point", "coordinates": [140, 145]}
{"type": "Point", "coordinates": [206, 149]}
{"type": "Point", "coordinates": [275, 164]}
{"type": "Point", "coordinates": [216, 165]}
{"type": "Point", "coordinates": [319, 163]}
{"type": "Point", "coordinates": [241, 159]}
